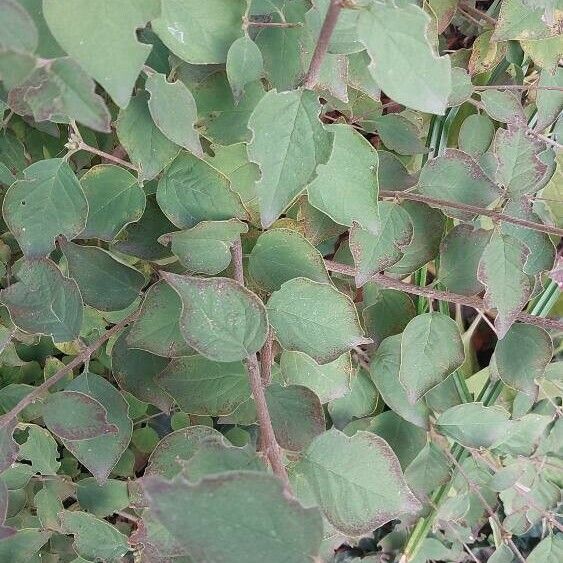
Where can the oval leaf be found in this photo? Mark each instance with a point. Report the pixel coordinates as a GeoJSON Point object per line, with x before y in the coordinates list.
{"type": "Point", "coordinates": [221, 319]}
{"type": "Point", "coordinates": [315, 318]}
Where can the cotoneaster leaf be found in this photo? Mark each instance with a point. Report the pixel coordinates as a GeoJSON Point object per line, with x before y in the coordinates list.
{"type": "Point", "coordinates": [220, 319]}
{"type": "Point", "coordinates": [286, 124]}
{"type": "Point", "coordinates": [314, 318]}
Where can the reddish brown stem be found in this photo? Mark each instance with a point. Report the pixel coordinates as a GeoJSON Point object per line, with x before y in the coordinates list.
{"type": "Point", "coordinates": [473, 302]}
{"type": "Point", "coordinates": [266, 358]}
{"type": "Point", "coordinates": [495, 215]}
{"type": "Point", "coordinates": [321, 47]}
{"type": "Point", "coordinates": [84, 356]}
{"type": "Point", "coordinates": [268, 440]}
{"type": "Point", "coordinates": [84, 147]}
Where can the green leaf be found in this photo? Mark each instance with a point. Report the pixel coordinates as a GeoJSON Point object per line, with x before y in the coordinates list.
{"type": "Point", "coordinates": [456, 177]}
{"type": "Point", "coordinates": [62, 91]}
{"type": "Point", "coordinates": [428, 225]}
{"type": "Point", "coordinates": [102, 500]}
{"type": "Point", "coordinates": [393, 174]}
{"type": "Point", "coordinates": [43, 301]}
{"type": "Point", "coordinates": [173, 109]}
{"type": "Point", "coordinates": [288, 142]}
{"type": "Point", "coordinates": [428, 470]}
{"type": "Point", "coordinates": [8, 446]}
{"type": "Point", "coordinates": [520, 168]}
{"type": "Point", "coordinates": [157, 329]}
{"type": "Point", "coordinates": [346, 187]}
{"type": "Point", "coordinates": [388, 314]}
{"type": "Point", "coordinates": [71, 415]}
{"type": "Point", "coordinates": [15, 67]}
{"type": "Point", "coordinates": [141, 239]}
{"type": "Point", "coordinates": [172, 453]}
{"type": "Point", "coordinates": [431, 350]}
{"type": "Point", "coordinates": [404, 63]}
{"type": "Point", "coordinates": [544, 52]}
{"type": "Point", "coordinates": [12, 158]}
{"type": "Point", "coordinates": [135, 370]}
{"type": "Point", "coordinates": [362, 400]}
{"type": "Point", "coordinates": [18, 40]}
{"type": "Point", "coordinates": [48, 505]}
{"type": "Point", "coordinates": [277, 527]}
{"type": "Point", "coordinates": [233, 162]}
{"type": "Point", "coordinates": [297, 415]}
{"type": "Point", "coordinates": [525, 434]}
{"type": "Point", "coordinates": [549, 550]}
{"type": "Point", "coordinates": [549, 103]}
{"type": "Point", "coordinates": [41, 450]}
{"type": "Point", "coordinates": [244, 65]}
{"type": "Point", "coordinates": [114, 198]}
{"type": "Point", "coordinates": [314, 318]}
{"type": "Point", "coordinates": [149, 150]}
{"type": "Point", "coordinates": [384, 371]}
{"type": "Point", "coordinates": [23, 545]}
{"type": "Point", "coordinates": [221, 319]}
{"type": "Point", "coordinates": [399, 134]}
{"type": "Point", "coordinates": [462, 87]}
{"type": "Point", "coordinates": [220, 120]}
{"type": "Point", "coordinates": [503, 106]}
{"type": "Point", "coordinates": [200, 33]}
{"type": "Point", "coordinates": [32, 207]}
{"type": "Point", "coordinates": [460, 253]}
{"type": "Point", "coordinates": [344, 37]}
{"type": "Point", "coordinates": [101, 37]}
{"type": "Point", "coordinates": [377, 252]}
{"type": "Point", "coordinates": [206, 248]}
{"type": "Point", "coordinates": [519, 20]}
{"type": "Point", "coordinates": [329, 381]}
{"type": "Point", "coordinates": [282, 49]}
{"type": "Point", "coordinates": [100, 455]}
{"type": "Point", "coordinates": [405, 439]}
{"type": "Point", "coordinates": [543, 255]}
{"type": "Point", "coordinates": [18, 32]}
{"type": "Point", "coordinates": [508, 288]}
{"type": "Point", "coordinates": [474, 425]}
{"type": "Point", "coordinates": [521, 357]}
{"type": "Point", "coordinates": [357, 481]}
{"type": "Point", "coordinates": [93, 538]}
{"type": "Point", "coordinates": [206, 388]}
{"type": "Point", "coordinates": [215, 457]}
{"type": "Point", "coordinates": [191, 190]}
{"type": "Point", "coordinates": [47, 47]}
{"type": "Point", "coordinates": [105, 283]}
{"type": "Point", "coordinates": [476, 134]}
{"type": "Point", "coordinates": [280, 255]}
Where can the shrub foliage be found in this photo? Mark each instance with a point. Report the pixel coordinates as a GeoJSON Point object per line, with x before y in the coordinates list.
{"type": "Point", "coordinates": [276, 278]}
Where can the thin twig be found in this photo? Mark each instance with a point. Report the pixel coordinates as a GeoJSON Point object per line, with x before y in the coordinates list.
{"type": "Point", "coordinates": [472, 19]}
{"type": "Point", "coordinates": [77, 361]}
{"type": "Point", "coordinates": [84, 147]}
{"type": "Point", "coordinates": [251, 23]}
{"type": "Point", "coordinates": [529, 131]}
{"type": "Point", "coordinates": [321, 47]}
{"type": "Point", "coordinates": [478, 14]}
{"type": "Point", "coordinates": [533, 86]}
{"type": "Point", "coordinates": [76, 143]}
{"type": "Point", "coordinates": [545, 139]}
{"type": "Point", "coordinates": [489, 509]}
{"type": "Point", "coordinates": [268, 439]}
{"type": "Point", "coordinates": [495, 215]}
{"type": "Point", "coordinates": [425, 291]}
{"type": "Point", "coordinates": [267, 359]}
{"type": "Point", "coordinates": [524, 491]}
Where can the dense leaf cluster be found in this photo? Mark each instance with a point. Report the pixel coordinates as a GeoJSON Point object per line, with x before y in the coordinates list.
{"type": "Point", "coordinates": [253, 255]}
